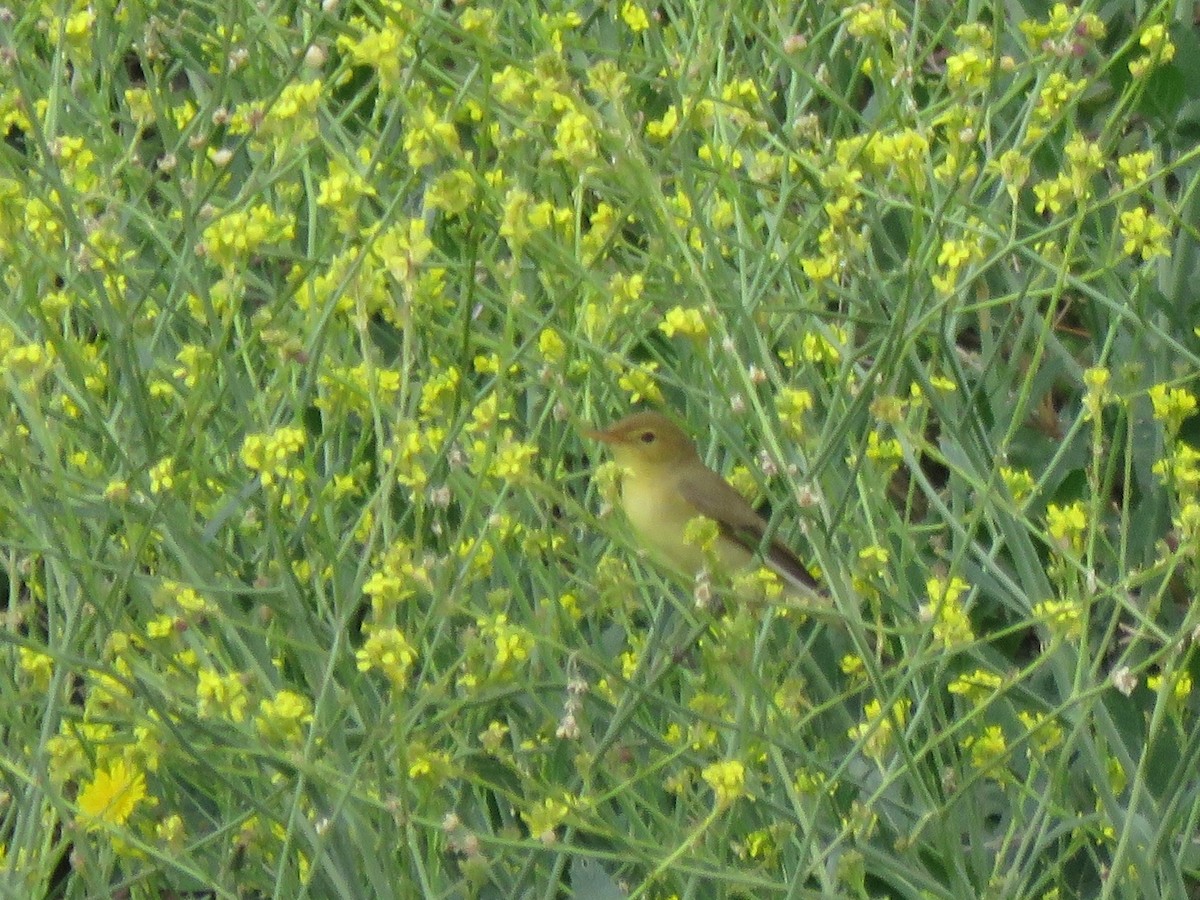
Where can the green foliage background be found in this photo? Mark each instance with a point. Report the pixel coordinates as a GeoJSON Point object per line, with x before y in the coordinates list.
{"type": "Point", "coordinates": [311, 590]}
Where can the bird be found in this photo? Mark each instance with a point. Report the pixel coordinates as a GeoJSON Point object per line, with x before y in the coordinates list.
{"type": "Point", "coordinates": [665, 484]}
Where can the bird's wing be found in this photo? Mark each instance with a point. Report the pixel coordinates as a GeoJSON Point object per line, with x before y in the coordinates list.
{"type": "Point", "coordinates": [716, 499]}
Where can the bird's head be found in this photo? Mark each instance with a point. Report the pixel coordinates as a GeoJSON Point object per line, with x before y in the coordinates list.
{"type": "Point", "coordinates": [646, 440]}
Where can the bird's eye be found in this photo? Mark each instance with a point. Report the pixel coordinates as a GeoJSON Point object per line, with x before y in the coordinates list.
{"type": "Point", "coordinates": [647, 437]}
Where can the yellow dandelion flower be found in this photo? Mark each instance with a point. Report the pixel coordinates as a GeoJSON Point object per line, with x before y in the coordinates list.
{"type": "Point", "coordinates": [112, 795]}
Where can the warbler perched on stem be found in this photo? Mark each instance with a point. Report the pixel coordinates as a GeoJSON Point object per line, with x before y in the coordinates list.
{"type": "Point", "coordinates": [665, 485]}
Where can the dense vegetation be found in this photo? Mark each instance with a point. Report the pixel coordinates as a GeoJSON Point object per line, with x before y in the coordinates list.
{"type": "Point", "coordinates": [314, 587]}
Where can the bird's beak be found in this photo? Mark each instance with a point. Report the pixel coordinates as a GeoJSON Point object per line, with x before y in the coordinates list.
{"type": "Point", "coordinates": [603, 436]}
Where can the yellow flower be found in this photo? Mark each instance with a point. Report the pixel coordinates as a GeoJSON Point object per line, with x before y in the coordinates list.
{"type": "Point", "coordinates": [662, 129]}
{"type": "Point", "coordinates": [951, 625]}
{"type": "Point", "coordinates": [403, 248]}
{"type": "Point", "coordinates": [575, 139]}
{"type": "Point", "coordinates": [509, 645]}
{"type": "Point", "coordinates": [969, 69]}
{"type": "Point", "coordinates": [1065, 22]}
{"type": "Point", "coordinates": [233, 238]}
{"type": "Point", "coordinates": [977, 686]}
{"type": "Point", "coordinates": [477, 21]}
{"type": "Point", "coordinates": [878, 729]}
{"type": "Point", "coordinates": [873, 20]}
{"type": "Point", "coordinates": [689, 322]}
{"type": "Point", "coordinates": [38, 666]}
{"type": "Point", "coordinates": [220, 695]}
{"type": "Point", "coordinates": [640, 384]}
{"type": "Point", "coordinates": [1181, 467]}
{"type": "Point", "coordinates": [1063, 618]}
{"type": "Point", "coordinates": [1160, 50]}
{"type": "Point", "coordinates": [429, 138]}
{"type": "Point", "coordinates": [635, 17]}
{"type": "Point", "coordinates": [1172, 405]}
{"type": "Point", "coordinates": [1055, 95]}
{"type": "Point", "coordinates": [607, 80]}
{"type": "Point", "coordinates": [546, 816]}
{"type": "Point", "coordinates": [820, 350]}
{"type": "Point", "coordinates": [284, 717]}
{"type": "Point", "coordinates": [1188, 520]}
{"type": "Point", "coordinates": [1066, 524]}
{"type": "Point", "coordinates": [1019, 482]}
{"type": "Point", "coordinates": [1085, 159]}
{"type": "Point", "coordinates": [792, 404]}
{"type": "Point", "coordinates": [162, 476]}
{"type": "Point", "coordinates": [1045, 732]}
{"type": "Point", "coordinates": [988, 748]}
{"type": "Point", "coordinates": [1052, 194]}
{"type": "Point", "coordinates": [853, 667]}
{"type": "Point", "coordinates": [171, 831]}
{"type": "Point", "coordinates": [1144, 234]}
{"type": "Point", "coordinates": [1135, 168]}
{"type": "Point", "coordinates": [727, 779]}
{"type": "Point", "coordinates": [388, 650]}
{"type": "Point", "coordinates": [810, 782]}
{"type": "Point", "coordinates": [452, 192]}
{"type": "Point", "coordinates": [884, 450]}
{"type": "Point", "coordinates": [821, 268]}
{"type": "Point", "coordinates": [160, 627]}
{"type": "Point", "coordinates": [551, 346]}
{"type": "Point", "coordinates": [269, 454]}
{"type": "Point", "coordinates": [434, 765]}
{"type": "Point", "coordinates": [1179, 683]}
{"type": "Point", "coordinates": [955, 255]}
{"type": "Point", "coordinates": [512, 460]}
{"type": "Point", "coordinates": [492, 738]}
{"type": "Point", "coordinates": [1013, 168]}
{"type": "Point", "coordinates": [112, 795]}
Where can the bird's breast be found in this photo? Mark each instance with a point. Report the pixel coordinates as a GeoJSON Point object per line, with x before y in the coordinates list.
{"type": "Point", "coordinates": [659, 514]}
{"type": "Point", "coordinates": [654, 506]}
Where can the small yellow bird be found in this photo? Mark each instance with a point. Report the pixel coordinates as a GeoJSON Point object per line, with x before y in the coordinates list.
{"type": "Point", "coordinates": [665, 485]}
